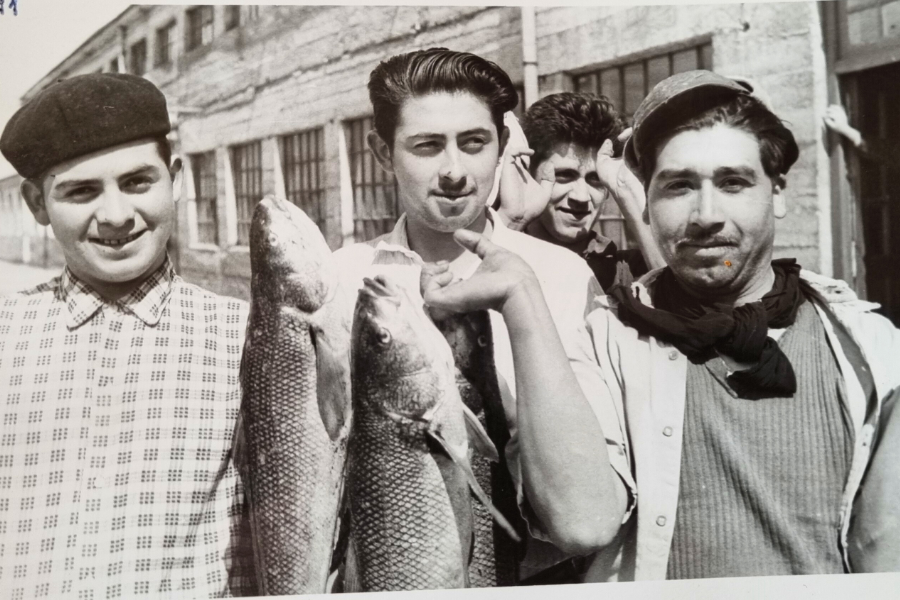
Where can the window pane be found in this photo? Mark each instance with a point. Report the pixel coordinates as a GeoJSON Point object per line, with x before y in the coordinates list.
{"type": "Point", "coordinates": [610, 86]}
{"type": "Point", "coordinates": [657, 70]}
{"type": "Point", "coordinates": [586, 83]}
{"type": "Point", "coordinates": [634, 87]}
{"type": "Point", "coordinates": [686, 60]}
{"type": "Point", "coordinates": [374, 191]}
{"type": "Point", "coordinates": [706, 57]}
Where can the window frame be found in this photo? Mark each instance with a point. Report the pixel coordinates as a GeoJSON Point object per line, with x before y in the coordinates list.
{"type": "Point", "coordinates": [203, 170]}
{"type": "Point", "coordinates": [137, 57]}
{"type": "Point", "coordinates": [370, 185]}
{"type": "Point", "coordinates": [200, 19]}
{"type": "Point", "coordinates": [247, 177]}
{"type": "Point", "coordinates": [165, 52]}
{"type": "Point", "coordinates": [302, 156]}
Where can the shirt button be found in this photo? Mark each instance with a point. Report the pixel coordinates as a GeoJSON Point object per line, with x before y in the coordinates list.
{"type": "Point", "coordinates": [673, 355]}
{"type": "Point", "coordinates": [667, 432]}
{"type": "Point", "coordinates": [661, 521]}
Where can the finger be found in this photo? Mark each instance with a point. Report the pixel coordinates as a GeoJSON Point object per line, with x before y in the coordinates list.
{"type": "Point", "coordinates": [606, 149]}
{"type": "Point", "coordinates": [455, 298]}
{"type": "Point", "coordinates": [623, 137]}
{"type": "Point", "coordinates": [547, 173]}
{"type": "Point", "coordinates": [434, 282]}
{"type": "Point", "coordinates": [518, 150]}
{"type": "Point", "coordinates": [473, 242]}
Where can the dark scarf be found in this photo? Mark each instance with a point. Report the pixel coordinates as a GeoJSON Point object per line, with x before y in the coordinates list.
{"type": "Point", "coordinates": [699, 329]}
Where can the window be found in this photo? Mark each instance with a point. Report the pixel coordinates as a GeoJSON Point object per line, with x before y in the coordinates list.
{"type": "Point", "coordinates": [232, 17]}
{"type": "Point", "coordinates": [302, 160]}
{"type": "Point", "coordinates": [139, 58]}
{"type": "Point", "coordinates": [626, 85]}
{"type": "Point", "coordinates": [114, 65]}
{"type": "Point", "coordinates": [375, 208]}
{"type": "Point", "coordinates": [199, 26]}
{"type": "Point", "coordinates": [204, 169]}
{"type": "Point", "coordinates": [246, 168]}
{"type": "Point", "coordinates": [165, 44]}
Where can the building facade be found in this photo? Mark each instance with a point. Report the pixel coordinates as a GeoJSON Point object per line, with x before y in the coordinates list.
{"type": "Point", "coordinates": [273, 100]}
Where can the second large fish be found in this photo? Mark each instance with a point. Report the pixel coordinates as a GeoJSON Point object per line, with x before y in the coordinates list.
{"type": "Point", "coordinates": [296, 406]}
{"type": "Point", "coordinates": [409, 473]}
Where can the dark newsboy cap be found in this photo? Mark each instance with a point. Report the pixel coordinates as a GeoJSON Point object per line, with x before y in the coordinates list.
{"type": "Point", "coordinates": [82, 115]}
{"type": "Point", "coordinates": [675, 100]}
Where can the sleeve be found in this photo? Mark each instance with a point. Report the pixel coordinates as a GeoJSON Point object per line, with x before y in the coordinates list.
{"type": "Point", "coordinates": [579, 345]}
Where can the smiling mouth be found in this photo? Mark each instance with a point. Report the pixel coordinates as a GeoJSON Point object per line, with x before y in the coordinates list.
{"type": "Point", "coordinates": [117, 242]}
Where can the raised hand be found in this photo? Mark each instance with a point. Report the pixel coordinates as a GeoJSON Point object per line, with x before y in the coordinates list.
{"type": "Point", "coordinates": [522, 198]}
{"type": "Point", "coordinates": [501, 275]}
{"type": "Point", "coordinates": [836, 119]}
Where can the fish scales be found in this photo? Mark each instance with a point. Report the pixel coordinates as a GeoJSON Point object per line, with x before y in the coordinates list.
{"type": "Point", "coordinates": [293, 468]}
{"type": "Point", "coordinates": [405, 531]}
{"type": "Point", "coordinates": [495, 554]}
{"type": "Point", "coordinates": [408, 529]}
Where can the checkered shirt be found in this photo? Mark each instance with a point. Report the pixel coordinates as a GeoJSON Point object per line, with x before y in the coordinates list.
{"type": "Point", "coordinates": [116, 424]}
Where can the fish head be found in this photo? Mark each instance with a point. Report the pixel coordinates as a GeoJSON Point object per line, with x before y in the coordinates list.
{"type": "Point", "coordinates": [394, 341]}
{"type": "Point", "coordinates": [289, 259]}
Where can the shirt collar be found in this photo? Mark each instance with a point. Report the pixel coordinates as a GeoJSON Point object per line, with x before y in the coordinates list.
{"type": "Point", "coordinates": [397, 241]}
{"type": "Point", "coordinates": [146, 302]}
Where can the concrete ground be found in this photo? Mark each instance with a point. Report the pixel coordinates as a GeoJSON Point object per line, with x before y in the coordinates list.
{"type": "Point", "coordinates": [18, 276]}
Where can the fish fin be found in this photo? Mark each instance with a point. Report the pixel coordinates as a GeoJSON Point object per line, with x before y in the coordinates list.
{"type": "Point", "coordinates": [478, 436]}
{"type": "Point", "coordinates": [463, 463]}
{"type": "Point", "coordinates": [332, 383]}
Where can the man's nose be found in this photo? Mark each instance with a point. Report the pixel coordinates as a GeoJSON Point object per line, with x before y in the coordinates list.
{"type": "Point", "coordinates": [115, 209]}
{"type": "Point", "coordinates": [707, 213]}
{"type": "Point", "coordinates": [452, 173]}
{"type": "Point", "coordinates": [579, 192]}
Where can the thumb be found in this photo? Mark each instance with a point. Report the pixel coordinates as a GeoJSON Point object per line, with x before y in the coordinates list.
{"type": "Point", "coordinates": [473, 242]}
{"type": "Point", "coordinates": [606, 149]}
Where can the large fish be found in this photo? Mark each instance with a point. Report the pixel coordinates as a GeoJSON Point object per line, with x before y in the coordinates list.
{"type": "Point", "coordinates": [296, 400]}
{"type": "Point", "coordinates": [495, 554]}
{"type": "Point", "coordinates": [409, 473]}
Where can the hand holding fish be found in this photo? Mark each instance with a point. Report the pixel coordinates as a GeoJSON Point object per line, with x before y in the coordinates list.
{"type": "Point", "coordinates": [500, 276]}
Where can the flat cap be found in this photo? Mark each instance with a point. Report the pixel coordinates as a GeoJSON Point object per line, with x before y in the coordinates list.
{"type": "Point", "coordinates": [81, 115]}
{"type": "Point", "coordinates": [674, 100]}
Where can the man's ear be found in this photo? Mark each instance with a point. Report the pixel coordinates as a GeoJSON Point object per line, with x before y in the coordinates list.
{"type": "Point", "coordinates": [381, 151]}
{"type": "Point", "coordinates": [176, 172]}
{"type": "Point", "coordinates": [34, 198]}
{"type": "Point", "coordinates": [504, 139]}
{"type": "Point", "coordinates": [779, 202]}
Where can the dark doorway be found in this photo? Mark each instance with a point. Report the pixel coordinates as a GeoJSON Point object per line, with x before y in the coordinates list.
{"type": "Point", "coordinates": [876, 113]}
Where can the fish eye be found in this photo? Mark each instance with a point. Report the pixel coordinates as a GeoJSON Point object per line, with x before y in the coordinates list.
{"type": "Point", "coordinates": [383, 336]}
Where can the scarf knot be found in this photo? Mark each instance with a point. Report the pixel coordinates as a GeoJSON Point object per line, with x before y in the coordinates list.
{"type": "Point", "coordinates": [700, 329]}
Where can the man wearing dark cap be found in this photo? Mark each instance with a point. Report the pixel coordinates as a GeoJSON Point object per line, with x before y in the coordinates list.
{"type": "Point", "coordinates": [118, 381]}
{"type": "Point", "coordinates": [752, 388]}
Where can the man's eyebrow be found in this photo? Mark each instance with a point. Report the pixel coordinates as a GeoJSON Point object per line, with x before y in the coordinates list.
{"type": "Point", "coordinates": [675, 173]}
{"type": "Point", "coordinates": [68, 185]}
{"type": "Point", "coordinates": [140, 170]}
{"type": "Point", "coordinates": [741, 171]}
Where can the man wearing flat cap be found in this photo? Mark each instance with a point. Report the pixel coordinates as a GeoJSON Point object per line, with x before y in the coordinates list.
{"type": "Point", "coordinates": [753, 391]}
{"type": "Point", "coordinates": [118, 381]}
